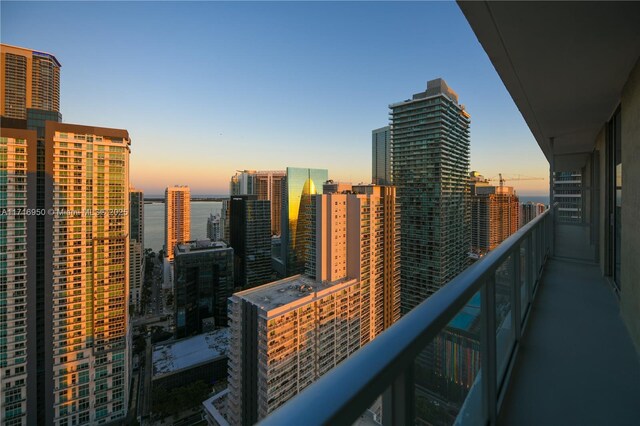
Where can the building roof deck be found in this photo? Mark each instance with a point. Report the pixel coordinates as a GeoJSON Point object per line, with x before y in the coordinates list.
{"type": "Point", "coordinates": [283, 292]}
{"type": "Point", "coordinates": [190, 352]}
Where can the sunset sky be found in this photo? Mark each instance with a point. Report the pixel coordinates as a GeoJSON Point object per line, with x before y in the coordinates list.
{"type": "Point", "coordinates": [206, 88]}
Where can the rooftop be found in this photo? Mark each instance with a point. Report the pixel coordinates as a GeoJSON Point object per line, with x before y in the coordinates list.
{"type": "Point", "coordinates": [199, 245]}
{"type": "Point", "coordinates": [435, 88]}
{"type": "Point", "coordinates": [34, 52]}
{"type": "Point", "coordinates": [190, 352]}
{"type": "Point", "coordinates": [283, 292]}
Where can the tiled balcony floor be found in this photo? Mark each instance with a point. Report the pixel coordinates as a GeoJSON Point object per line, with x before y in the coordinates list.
{"type": "Point", "coordinates": [577, 364]}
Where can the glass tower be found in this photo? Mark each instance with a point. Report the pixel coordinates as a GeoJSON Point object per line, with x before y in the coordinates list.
{"type": "Point", "coordinates": [430, 169]}
{"type": "Point", "coordinates": [297, 226]}
{"type": "Point", "coordinates": [381, 156]}
{"type": "Point", "coordinates": [204, 282]}
{"type": "Point", "coordinates": [250, 237]}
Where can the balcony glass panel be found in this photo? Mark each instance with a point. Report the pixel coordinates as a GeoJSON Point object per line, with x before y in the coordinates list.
{"type": "Point", "coordinates": [533, 271]}
{"type": "Point", "coordinates": [505, 333]}
{"type": "Point", "coordinates": [447, 372]}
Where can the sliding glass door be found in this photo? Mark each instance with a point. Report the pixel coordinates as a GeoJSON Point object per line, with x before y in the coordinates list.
{"type": "Point", "coordinates": [614, 195]}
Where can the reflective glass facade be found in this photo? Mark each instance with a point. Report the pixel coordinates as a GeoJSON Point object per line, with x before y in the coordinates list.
{"type": "Point", "coordinates": [203, 283]}
{"type": "Point", "coordinates": [381, 156]}
{"type": "Point", "coordinates": [297, 210]}
{"type": "Point", "coordinates": [250, 236]}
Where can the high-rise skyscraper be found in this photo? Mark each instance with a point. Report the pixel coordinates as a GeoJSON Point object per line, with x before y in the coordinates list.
{"type": "Point", "coordinates": [266, 185]}
{"type": "Point", "coordinates": [357, 236]}
{"type": "Point", "coordinates": [430, 166]}
{"type": "Point", "coordinates": [214, 232]}
{"type": "Point", "coordinates": [250, 237]}
{"type": "Point", "coordinates": [297, 228]}
{"type": "Point", "coordinates": [285, 335]}
{"type": "Point", "coordinates": [225, 213]}
{"type": "Point", "coordinates": [381, 156]}
{"type": "Point", "coordinates": [27, 107]}
{"type": "Point", "coordinates": [242, 182]}
{"type": "Point", "coordinates": [203, 282]}
{"type": "Point", "coordinates": [30, 80]}
{"type": "Point", "coordinates": [177, 218]}
{"type": "Point", "coordinates": [354, 297]}
{"type": "Point", "coordinates": [495, 212]}
{"type": "Point", "coordinates": [18, 339]}
{"type": "Point", "coordinates": [87, 354]}
{"type": "Point", "coordinates": [530, 210]}
{"type": "Point", "coordinates": [74, 310]}
{"type": "Point", "coordinates": [136, 247]}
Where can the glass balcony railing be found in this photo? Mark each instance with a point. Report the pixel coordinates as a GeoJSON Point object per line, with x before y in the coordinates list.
{"type": "Point", "coordinates": [445, 362]}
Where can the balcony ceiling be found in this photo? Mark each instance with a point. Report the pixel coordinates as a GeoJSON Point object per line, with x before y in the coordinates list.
{"type": "Point", "coordinates": [564, 64]}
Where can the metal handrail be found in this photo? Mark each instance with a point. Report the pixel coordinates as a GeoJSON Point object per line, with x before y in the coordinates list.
{"type": "Point", "coordinates": [341, 395]}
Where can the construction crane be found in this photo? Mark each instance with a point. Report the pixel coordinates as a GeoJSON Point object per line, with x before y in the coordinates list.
{"type": "Point", "coordinates": [503, 180]}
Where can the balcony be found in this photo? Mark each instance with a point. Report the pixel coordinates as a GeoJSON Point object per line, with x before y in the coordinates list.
{"type": "Point", "coordinates": [541, 335]}
{"type": "Point", "coordinates": [545, 329]}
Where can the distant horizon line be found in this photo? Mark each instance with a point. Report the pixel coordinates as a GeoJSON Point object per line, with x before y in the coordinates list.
{"type": "Point", "coordinates": [195, 197]}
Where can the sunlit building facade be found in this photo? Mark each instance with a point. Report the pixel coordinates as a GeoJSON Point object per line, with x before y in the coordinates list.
{"type": "Point", "coordinates": [334, 187]}
{"type": "Point", "coordinates": [495, 213]}
{"type": "Point", "coordinates": [30, 80]}
{"type": "Point", "coordinates": [30, 97]}
{"type": "Point", "coordinates": [284, 335]}
{"type": "Point", "coordinates": [357, 236]}
{"type": "Point", "coordinates": [430, 169]}
{"type": "Point", "coordinates": [88, 354]}
{"type": "Point", "coordinates": [288, 333]}
{"type": "Point", "coordinates": [177, 217]}
{"type": "Point", "coordinates": [297, 227]}
{"type": "Point", "coordinates": [17, 273]}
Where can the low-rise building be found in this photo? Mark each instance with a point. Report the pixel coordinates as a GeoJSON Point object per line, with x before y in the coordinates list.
{"type": "Point", "coordinates": [182, 362]}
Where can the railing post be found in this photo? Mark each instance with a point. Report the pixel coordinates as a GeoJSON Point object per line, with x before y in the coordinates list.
{"type": "Point", "coordinates": [398, 401]}
{"type": "Point", "coordinates": [488, 349]}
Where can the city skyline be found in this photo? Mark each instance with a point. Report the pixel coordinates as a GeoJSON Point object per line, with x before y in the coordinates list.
{"type": "Point", "coordinates": [357, 269]}
{"type": "Point", "coordinates": [262, 98]}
